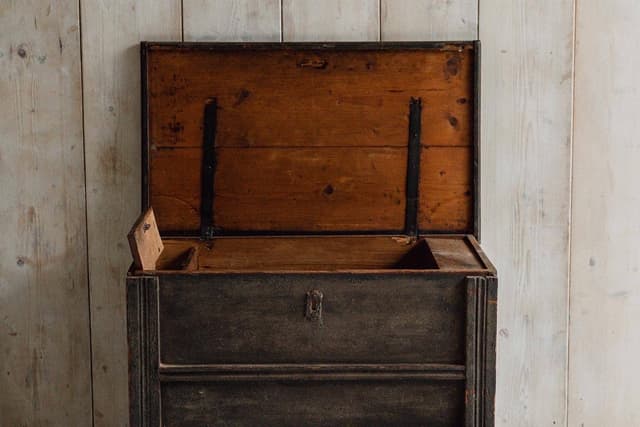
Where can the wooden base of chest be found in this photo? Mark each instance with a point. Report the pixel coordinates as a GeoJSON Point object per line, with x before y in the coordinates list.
{"type": "Point", "coordinates": [382, 340]}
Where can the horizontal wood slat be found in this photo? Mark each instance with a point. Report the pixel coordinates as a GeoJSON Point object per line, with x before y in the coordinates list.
{"type": "Point", "coordinates": [313, 189]}
{"type": "Point", "coordinates": [310, 368]}
{"type": "Point", "coordinates": [309, 98]}
{"type": "Point", "coordinates": [307, 372]}
{"type": "Point", "coordinates": [317, 403]}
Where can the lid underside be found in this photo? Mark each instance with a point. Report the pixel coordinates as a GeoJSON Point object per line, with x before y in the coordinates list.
{"type": "Point", "coordinates": [309, 139]}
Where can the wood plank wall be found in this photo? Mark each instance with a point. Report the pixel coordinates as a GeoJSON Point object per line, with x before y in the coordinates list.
{"type": "Point", "coordinates": [559, 208]}
{"type": "Point", "coordinates": [526, 166]}
{"type": "Point", "coordinates": [605, 256]}
{"type": "Point", "coordinates": [45, 357]}
{"type": "Point", "coordinates": [111, 31]}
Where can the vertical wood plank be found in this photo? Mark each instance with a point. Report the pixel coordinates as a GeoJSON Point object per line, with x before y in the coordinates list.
{"type": "Point", "coordinates": [526, 163]}
{"type": "Point", "coordinates": [429, 20]}
{"type": "Point", "coordinates": [232, 20]}
{"type": "Point", "coordinates": [605, 253]}
{"type": "Point", "coordinates": [45, 376]}
{"type": "Point", "coordinates": [330, 20]}
{"type": "Point", "coordinates": [110, 46]}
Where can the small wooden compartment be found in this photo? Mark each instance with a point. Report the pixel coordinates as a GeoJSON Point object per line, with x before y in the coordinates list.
{"type": "Point", "coordinates": [322, 254]}
{"type": "Point", "coordinates": [307, 253]}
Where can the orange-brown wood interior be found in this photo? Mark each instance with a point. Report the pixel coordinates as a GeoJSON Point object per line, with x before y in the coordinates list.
{"type": "Point", "coordinates": [311, 140]}
{"type": "Point", "coordinates": [321, 253]}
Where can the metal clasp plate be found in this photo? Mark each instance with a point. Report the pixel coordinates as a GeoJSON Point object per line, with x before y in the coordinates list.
{"type": "Point", "coordinates": [314, 306]}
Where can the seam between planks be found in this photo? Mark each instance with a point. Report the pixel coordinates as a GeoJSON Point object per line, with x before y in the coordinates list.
{"type": "Point", "coordinates": [182, 20]}
{"type": "Point", "coordinates": [281, 21]}
{"type": "Point", "coordinates": [379, 20]}
{"type": "Point", "coordinates": [86, 213]}
{"type": "Point", "coordinates": [478, 24]}
{"type": "Point", "coordinates": [570, 224]}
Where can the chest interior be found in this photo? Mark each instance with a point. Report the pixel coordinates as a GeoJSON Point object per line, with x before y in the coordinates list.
{"type": "Point", "coordinates": [295, 157]}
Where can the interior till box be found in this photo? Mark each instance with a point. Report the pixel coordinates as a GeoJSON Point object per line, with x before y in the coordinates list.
{"type": "Point", "coordinates": [320, 253]}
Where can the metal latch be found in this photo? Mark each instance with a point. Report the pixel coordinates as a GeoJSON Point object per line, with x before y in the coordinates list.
{"type": "Point", "coordinates": [314, 306]}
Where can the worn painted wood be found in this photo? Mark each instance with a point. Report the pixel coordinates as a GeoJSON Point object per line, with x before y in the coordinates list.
{"type": "Point", "coordinates": [231, 20]}
{"type": "Point", "coordinates": [325, 403]}
{"type": "Point", "coordinates": [481, 350]}
{"type": "Point", "coordinates": [142, 336]}
{"type": "Point", "coordinates": [605, 253]}
{"type": "Point", "coordinates": [429, 20]}
{"type": "Point", "coordinates": [526, 162]}
{"type": "Point", "coordinates": [312, 372]}
{"type": "Point", "coordinates": [45, 358]}
{"type": "Point", "coordinates": [111, 32]}
{"type": "Point", "coordinates": [432, 332]}
{"type": "Point", "coordinates": [260, 318]}
{"type": "Point", "coordinates": [330, 20]}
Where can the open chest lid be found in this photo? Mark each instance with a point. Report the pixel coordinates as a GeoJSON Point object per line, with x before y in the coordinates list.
{"type": "Point", "coordinates": [366, 138]}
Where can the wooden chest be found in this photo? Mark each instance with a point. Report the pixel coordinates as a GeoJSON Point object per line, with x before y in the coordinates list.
{"type": "Point", "coordinates": [318, 263]}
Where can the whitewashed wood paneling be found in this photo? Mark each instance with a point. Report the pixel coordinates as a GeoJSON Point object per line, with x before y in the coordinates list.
{"type": "Point", "coordinates": [526, 163]}
{"type": "Point", "coordinates": [330, 20]}
{"type": "Point", "coordinates": [45, 374]}
{"type": "Point", "coordinates": [526, 155]}
{"type": "Point", "coordinates": [232, 20]}
{"type": "Point", "coordinates": [436, 20]}
{"type": "Point", "coordinates": [111, 34]}
{"type": "Point", "coordinates": [605, 249]}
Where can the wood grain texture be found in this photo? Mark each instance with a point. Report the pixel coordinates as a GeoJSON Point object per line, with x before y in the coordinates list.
{"type": "Point", "coordinates": [481, 350]}
{"type": "Point", "coordinates": [429, 20]}
{"type": "Point", "coordinates": [605, 253]}
{"type": "Point", "coordinates": [111, 70]}
{"type": "Point", "coordinates": [453, 252]}
{"type": "Point", "coordinates": [446, 189]}
{"type": "Point", "coordinates": [330, 20]}
{"type": "Point", "coordinates": [240, 347]}
{"type": "Point", "coordinates": [331, 138]}
{"type": "Point", "coordinates": [303, 253]}
{"type": "Point", "coordinates": [231, 20]}
{"type": "Point", "coordinates": [312, 372]}
{"type": "Point", "coordinates": [142, 336]}
{"type": "Point", "coordinates": [275, 97]}
{"type": "Point", "coordinates": [260, 318]}
{"type": "Point", "coordinates": [145, 241]}
{"type": "Point", "coordinates": [327, 188]}
{"type": "Point", "coordinates": [526, 161]}
{"type": "Point", "coordinates": [286, 189]}
{"type": "Point", "coordinates": [330, 403]}
{"type": "Point", "coordinates": [44, 313]}
{"type": "Point", "coordinates": [325, 253]}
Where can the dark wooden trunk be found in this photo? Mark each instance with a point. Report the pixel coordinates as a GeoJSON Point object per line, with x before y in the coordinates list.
{"type": "Point", "coordinates": [387, 350]}
{"type": "Point", "coordinates": [317, 265]}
